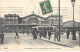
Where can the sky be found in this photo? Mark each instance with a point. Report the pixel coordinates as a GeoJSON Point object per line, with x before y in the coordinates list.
{"type": "Point", "coordinates": [26, 7]}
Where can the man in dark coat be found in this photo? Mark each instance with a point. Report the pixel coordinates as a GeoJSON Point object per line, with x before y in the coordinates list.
{"type": "Point", "coordinates": [56, 35]}
{"type": "Point", "coordinates": [79, 38]}
{"type": "Point", "coordinates": [34, 33]}
{"type": "Point", "coordinates": [2, 37]}
{"type": "Point", "coordinates": [68, 33]}
{"type": "Point", "coordinates": [17, 36]}
{"type": "Point", "coordinates": [49, 34]}
{"type": "Point", "coordinates": [45, 34]}
{"type": "Point", "coordinates": [79, 32]}
{"type": "Point", "coordinates": [74, 35]}
{"type": "Point", "coordinates": [40, 33]}
{"type": "Point", "coordinates": [28, 33]}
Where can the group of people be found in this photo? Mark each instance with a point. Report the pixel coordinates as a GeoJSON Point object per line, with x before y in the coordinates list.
{"type": "Point", "coordinates": [49, 33]}
{"type": "Point", "coordinates": [73, 33]}
{"type": "Point", "coordinates": [36, 33]}
{"type": "Point", "coordinates": [45, 34]}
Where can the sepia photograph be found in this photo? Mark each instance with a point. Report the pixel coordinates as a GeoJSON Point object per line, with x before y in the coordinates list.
{"type": "Point", "coordinates": [39, 25]}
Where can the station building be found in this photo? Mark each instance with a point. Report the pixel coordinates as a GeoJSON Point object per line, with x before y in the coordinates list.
{"type": "Point", "coordinates": [14, 22]}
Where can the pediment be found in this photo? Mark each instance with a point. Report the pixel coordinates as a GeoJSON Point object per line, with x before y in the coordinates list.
{"type": "Point", "coordinates": [33, 16]}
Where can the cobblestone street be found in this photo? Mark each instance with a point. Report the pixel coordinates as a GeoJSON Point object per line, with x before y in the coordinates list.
{"type": "Point", "coordinates": [26, 42]}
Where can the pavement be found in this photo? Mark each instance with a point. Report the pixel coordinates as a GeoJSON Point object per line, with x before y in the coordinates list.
{"type": "Point", "coordinates": [74, 44]}
{"type": "Point", "coordinates": [26, 42]}
{"type": "Point", "coordinates": [64, 41]}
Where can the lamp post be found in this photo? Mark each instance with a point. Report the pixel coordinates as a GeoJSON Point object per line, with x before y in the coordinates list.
{"type": "Point", "coordinates": [79, 33]}
{"type": "Point", "coordinates": [74, 35]}
{"type": "Point", "coordinates": [59, 22]}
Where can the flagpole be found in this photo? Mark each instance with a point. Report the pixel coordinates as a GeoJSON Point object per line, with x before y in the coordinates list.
{"type": "Point", "coordinates": [59, 22]}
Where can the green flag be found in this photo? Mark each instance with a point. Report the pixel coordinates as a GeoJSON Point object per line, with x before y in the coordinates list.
{"type": "Point", "coordinates": [46, 7]}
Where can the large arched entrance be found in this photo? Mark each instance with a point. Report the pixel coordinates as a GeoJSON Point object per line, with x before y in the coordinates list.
{"type": "Point", "coordinates": [33, 21]}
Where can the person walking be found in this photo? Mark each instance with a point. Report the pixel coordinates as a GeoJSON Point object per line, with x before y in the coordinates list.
{"type": "Point", "coordinates": [34, 33]}
{"type": "Point", "coordinates": [74, 35]}
{"type": "Point", "coordinates": [45, 34]}
{"type": "Point", "coordinates": [68, 33]}
{"type": "Point", "coordinates": [2, 37]}
{"type": "Point", "coordinates": [40, 33]}
{"type": "Point", "coordinates": [56, 35]}
{"type": "Point", "coordinates": [28, 32]}
{"type": "Point", "coordinates": [49, 35]}
{"type": "Point", "coordinates": [79, 38]}
{"type": "Point", "coordinates": [17, 36]}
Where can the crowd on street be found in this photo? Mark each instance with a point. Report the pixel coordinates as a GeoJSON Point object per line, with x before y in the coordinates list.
{"type": "Point", "coordinates": [38, 34]}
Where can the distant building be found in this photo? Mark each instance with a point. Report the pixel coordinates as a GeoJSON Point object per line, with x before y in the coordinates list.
{"type": "Point", "coordinates": [69, 25]}
{"type": "Point", "coordinates": [1, 24]}
{"type": "Point", "coordinates": [15, 23]}
{"type": "Point", "coordinates": [12, 19]}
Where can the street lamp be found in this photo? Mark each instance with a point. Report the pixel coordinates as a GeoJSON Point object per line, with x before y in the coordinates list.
{"type": "Point", "coordinates": [79, 33]}
{"type": "Point", "coordinates": [74, 35]}
{"type": "Point", "coordinates": [59, 23]}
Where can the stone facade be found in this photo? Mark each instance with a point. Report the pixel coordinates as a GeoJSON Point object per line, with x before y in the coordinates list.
{"type": "Point", "coordinates": [15, 23]}
{"type": "Point", "coordinates": [1, 24]}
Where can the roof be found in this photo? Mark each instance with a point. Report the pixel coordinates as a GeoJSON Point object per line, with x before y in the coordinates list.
{"type": "Point", "coordinates": [40, 16]}
{"type": "Point", "coordinates": [33, 15]}
{"type": "Point", "coordinates": [43, 26]}
{"type": "Point", "coordinates": [53, 16]}
{"type": "Point", "coordinates": [12, 15]}
{"type": "Point", "coordinates": [70, 24]}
